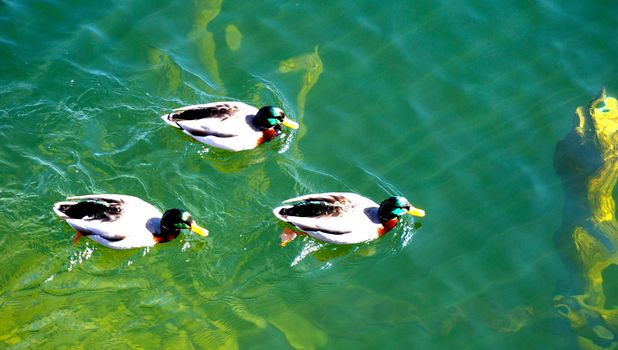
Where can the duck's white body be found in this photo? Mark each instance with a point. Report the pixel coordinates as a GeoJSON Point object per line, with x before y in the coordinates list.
{"type": "Point", "coordinates": [133, 226]}
{"type": "Point", "coordinates": [225, 125]}
{"type": "Point", "coordinates": [342, 218]}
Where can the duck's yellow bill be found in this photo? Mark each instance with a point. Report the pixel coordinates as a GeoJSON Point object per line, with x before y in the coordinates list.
{"type": "Point", "coordinates": [199, 230]}
{"type": "Point", "coordinates": [290, 123]}
{"type": "Point", "coordinates": [417, 212]}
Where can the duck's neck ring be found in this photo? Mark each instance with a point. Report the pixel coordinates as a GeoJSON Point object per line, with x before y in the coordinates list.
{"type": "Point", "coordinates": [387, 226]}
{"type": "Point", "coordinates": [166, 234]}
{"type": "Point", "coordinates": [268, 135]}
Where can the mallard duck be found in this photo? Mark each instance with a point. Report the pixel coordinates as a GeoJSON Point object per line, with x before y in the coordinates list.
{"type": "Point", "coordinates": [123, 222]}
{"type": "Point", "coordinates": [342, 218]}
{"type": "Point", "coordinates": [233, 126]}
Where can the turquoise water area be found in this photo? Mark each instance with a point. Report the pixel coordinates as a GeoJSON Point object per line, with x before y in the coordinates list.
{"type": "Point", "coordinates": [457, 106]}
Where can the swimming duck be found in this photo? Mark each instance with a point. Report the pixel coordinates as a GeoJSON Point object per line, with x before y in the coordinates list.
{"type": "Point", "coordinates": [123, 222]}
{"type": "Point", "coordinates": [342, 218]}
{"type": "Point", "coordinates": [233, 126]}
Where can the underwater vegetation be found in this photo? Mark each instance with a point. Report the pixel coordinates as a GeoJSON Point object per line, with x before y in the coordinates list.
{"type": "Point", "coordinates": [587, 162]}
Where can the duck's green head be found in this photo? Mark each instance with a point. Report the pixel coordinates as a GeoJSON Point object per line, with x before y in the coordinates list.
{"type": "Point", "coordinates": [174, 220]}
{"type": "Point", "coordinates": [397, 206]}
{"type": "Point", "coordinates": [273, 117]}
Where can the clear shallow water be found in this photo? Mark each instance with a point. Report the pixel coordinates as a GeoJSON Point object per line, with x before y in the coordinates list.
{"type": "Point", "coordinates": [457, 107]}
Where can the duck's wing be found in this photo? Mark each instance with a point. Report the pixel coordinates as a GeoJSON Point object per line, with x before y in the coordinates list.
{"type": "Point", "coordinates": [107, 215]}
{"type": "Point", "coordinates": [210, 110]}
{"type": "Point", "coordinates": [220, 119]}
{"type": "Point", "coordinates": [331, 213]}
{"type": "Point", "coordinates": [107, 208]}
{"type": "Point", "coordinates": [339, 198]}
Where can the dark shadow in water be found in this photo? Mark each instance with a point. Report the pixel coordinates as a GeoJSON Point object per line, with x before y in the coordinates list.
{"type": "Point", "coordinates": [576, 160]}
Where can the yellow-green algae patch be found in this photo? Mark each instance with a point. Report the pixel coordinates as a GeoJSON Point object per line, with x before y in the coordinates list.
{"type": "Point", "coordinates": [587, 161]}
{"type": "Point", "coordinates": [165, 67]}
{"type": "Point", "coordinates": [299, 332]}
{"type": "Point", "coordinates": [205, 12]}
{"type": "Point", "coordinates": [233, 37]}
{"type": "Point", "coordinates": [309, 63]}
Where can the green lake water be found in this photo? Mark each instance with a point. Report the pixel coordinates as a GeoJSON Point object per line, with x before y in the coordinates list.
{"type": "Point", "coordinates": [457, 106]}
